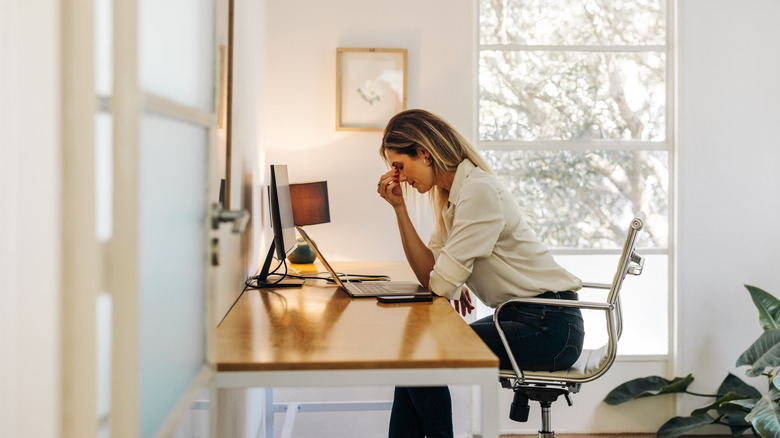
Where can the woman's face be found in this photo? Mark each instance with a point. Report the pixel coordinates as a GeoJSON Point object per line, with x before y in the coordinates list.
{"type": "Point", "coordinates": [413, 170]}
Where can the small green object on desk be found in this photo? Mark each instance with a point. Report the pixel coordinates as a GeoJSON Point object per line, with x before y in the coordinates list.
{"type": "Point", "coordinates": [302, 254]}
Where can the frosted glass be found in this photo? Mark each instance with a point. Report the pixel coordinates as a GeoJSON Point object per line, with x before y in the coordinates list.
{"type": "Point", "coordinates": [104, 37]}
{"type": "Point", "coordinates": [172, 197]}
{"type": "Point", "coordinates": [176, 50]}
{"type": "Point", "coordinates": [104, 176]}
{"type": "Point", "coordinates": [104, 323]}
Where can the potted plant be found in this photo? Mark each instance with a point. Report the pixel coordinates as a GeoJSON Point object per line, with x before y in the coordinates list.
{"type": "Point", "coordinates": [737, 405]}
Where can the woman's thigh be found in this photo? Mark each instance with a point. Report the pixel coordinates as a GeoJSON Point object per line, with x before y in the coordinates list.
{"type": "Point", "coordinates": [541, 338]}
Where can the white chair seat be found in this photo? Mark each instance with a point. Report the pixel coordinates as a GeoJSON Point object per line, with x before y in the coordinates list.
{"type": "Point", "coordinates": [589, 363]}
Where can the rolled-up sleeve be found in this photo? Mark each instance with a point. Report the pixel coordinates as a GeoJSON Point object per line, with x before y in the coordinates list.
{"type": "Point", "coordinates": [477, 223]}
{"type": "Point", "coordinates": [435, 243]}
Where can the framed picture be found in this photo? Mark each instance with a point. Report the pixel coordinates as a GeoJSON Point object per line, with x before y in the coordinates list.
{"type": "Point", "coordinates": [370, 87]}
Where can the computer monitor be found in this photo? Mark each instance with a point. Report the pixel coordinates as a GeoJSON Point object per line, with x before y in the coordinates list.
{"type": "Point", "coordinates": [280, 209]}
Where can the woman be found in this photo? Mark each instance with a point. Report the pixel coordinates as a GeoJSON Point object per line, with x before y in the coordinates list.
{"type": "Point", "coordinates": [480, 240]}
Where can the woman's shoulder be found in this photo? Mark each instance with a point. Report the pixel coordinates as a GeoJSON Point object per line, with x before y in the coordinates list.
{"type": "Point", "coordinates": [483, 188]}
{"type": "Point", "coordinates": [478, 180]}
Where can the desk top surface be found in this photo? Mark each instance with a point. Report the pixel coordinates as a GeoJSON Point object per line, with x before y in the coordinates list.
{"type": "Point", "coordinates": [319, 327]}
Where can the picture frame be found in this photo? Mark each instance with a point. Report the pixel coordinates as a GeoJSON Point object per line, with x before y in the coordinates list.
{"type": "Point", "coordinates": [370, 87]}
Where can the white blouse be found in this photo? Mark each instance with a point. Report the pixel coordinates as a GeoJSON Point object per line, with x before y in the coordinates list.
{"type": "Point", "coordinates": [487, 245]}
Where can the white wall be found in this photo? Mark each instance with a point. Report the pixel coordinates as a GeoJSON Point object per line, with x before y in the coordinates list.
{"type": "Point", "coordinates": [729, 186]}
{"type": "Point", "coordinates": [29, 218]}
{"type": "Point", "coordinates": [240, 411]}
{"type": "Point", "coordinates": [301, 102]}
{"type": "Point", "coordinates": [248, 146]}
{"type": "Point", "coordinates": [241, 254]}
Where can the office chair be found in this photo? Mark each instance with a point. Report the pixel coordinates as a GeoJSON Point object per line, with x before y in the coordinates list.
{"type": "Point", "coordinates": [545, 386]}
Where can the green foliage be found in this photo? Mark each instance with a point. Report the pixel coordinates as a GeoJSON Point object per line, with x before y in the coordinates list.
{"type": "Point", "coordinates": [581, 199]}
{"type": "Point", "coordinates": [765, 416]}
{"type": "Point", "coordinates": [768, 308]}
{"type": "Point", "coordinates": [739, 406]}
{"type": "Point", "coordinates": [723, 402]}
{"type": "Point", "coordinates": [647, 387]}
{"type": "Point", "coordinates": [764, 353]}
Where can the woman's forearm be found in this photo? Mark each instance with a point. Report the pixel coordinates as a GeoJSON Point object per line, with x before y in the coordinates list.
{"type": "Point", "coordinates": [418, 254]}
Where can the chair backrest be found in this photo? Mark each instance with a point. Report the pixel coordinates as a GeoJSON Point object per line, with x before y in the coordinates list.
{"type": "Point", "coordinates": [630, 263]}
{"type": "Point", "coordinates": [594, 363]}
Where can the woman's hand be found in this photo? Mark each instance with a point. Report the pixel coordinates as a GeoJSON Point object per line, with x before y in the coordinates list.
{"type": "Point", "coordinates": [389, 188]}
{"type": "Point", "coordinates": [463, 306]}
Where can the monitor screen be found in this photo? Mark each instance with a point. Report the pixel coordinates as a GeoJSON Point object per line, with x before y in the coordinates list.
{"type": "Point", "coordinates": [283, 227]}
{"type": "Point", "coordinates": [281, 211]}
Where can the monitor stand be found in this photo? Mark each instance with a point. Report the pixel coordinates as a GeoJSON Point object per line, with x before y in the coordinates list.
{"type": "Point", "coordinates": [262, 278]}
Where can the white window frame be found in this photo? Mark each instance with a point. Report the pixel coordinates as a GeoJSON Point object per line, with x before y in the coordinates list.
{"type": "Point", "coordinates": [668, 145]}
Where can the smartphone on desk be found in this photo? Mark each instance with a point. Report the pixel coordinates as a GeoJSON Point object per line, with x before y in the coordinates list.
{"type": "Point", "coordinates": [411, 298]}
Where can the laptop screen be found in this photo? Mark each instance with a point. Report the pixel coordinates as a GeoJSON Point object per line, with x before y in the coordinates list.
{"type": "Point", "coordinates": [324, 262]}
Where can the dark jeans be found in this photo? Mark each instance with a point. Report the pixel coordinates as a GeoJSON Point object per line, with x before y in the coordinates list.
{"type": "Point", "coordinates": [421, 412]}
{"type": "Point", "coordinates": [542, 338]}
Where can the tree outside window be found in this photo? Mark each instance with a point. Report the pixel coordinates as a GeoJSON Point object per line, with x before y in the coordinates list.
{"type": "Point", "coordinates": [573, 116]}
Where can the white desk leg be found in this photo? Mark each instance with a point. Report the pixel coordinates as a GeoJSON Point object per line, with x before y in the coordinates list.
{"type": "Point", "coordinates": [489, 391]}
{"type": "Point", "coordinates": [289, 419]}
{"type": "Point", "coordinates": [269, 413]}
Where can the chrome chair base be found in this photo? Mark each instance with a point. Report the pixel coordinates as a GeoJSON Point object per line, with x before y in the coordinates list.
{"type": "Point", "coordinates": [545, 395]}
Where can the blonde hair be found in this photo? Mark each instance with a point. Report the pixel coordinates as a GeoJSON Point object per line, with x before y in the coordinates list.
{"type": "Point", "coordinates": [412, 131]}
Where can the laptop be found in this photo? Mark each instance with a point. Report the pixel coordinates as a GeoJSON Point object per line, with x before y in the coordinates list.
{"type": "Point", "coordinates": [367, 289]}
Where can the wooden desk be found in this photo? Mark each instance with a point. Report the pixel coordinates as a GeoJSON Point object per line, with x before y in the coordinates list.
{"type": "Point", "coordinates": [318, 336]}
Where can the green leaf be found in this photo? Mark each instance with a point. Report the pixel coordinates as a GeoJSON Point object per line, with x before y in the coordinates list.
{"type": "Point", "coordinates": [733, 409]}
{"type": "Point", "coordinates": [745, 405]}
{"type": "Point", "coordinates": [733, 383]}
{"type": "Point", "coordinates": [677, 385]}
{"type": "Point", "coordinates": [765, 416]}
{"type": "Point", "coordinates": [768, 307]}
{"type": "Point", "coordinates": [680, 425]}
{"type": "Point", "coordinates": [731, 396]}
{"type": "Point", "coordinates": [647, 387]}
{"type": "Point", "coordinates": [736, 422]}
{"type": "Point", "coordinates": [764, 353]}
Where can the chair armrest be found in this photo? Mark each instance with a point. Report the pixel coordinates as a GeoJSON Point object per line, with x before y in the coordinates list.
{"type": "Point", "coordinates": [607, 307]}
{"type": "Point", "coordinates": [606, 286]}
{"type": "Point", "coordinates": [560, 303]}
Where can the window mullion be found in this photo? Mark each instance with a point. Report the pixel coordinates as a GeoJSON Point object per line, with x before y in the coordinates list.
{"type": "Point", "coordinates": [572, 145]}
{"type": "Point", "coordinates": [570, 48]}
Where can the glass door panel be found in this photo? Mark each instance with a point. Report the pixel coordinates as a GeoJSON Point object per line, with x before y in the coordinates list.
{"type": "Point", "coordinates": [175, 48]}
{"type": "Point", "coordinates": [172, 263]}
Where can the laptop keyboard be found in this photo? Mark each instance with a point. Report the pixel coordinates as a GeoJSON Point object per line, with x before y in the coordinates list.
{"type": "Point", "coordinates": [367, 288]}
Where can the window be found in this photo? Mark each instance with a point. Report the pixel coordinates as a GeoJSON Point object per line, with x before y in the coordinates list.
{"type": "Point", "coordinates": [574, 116]}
